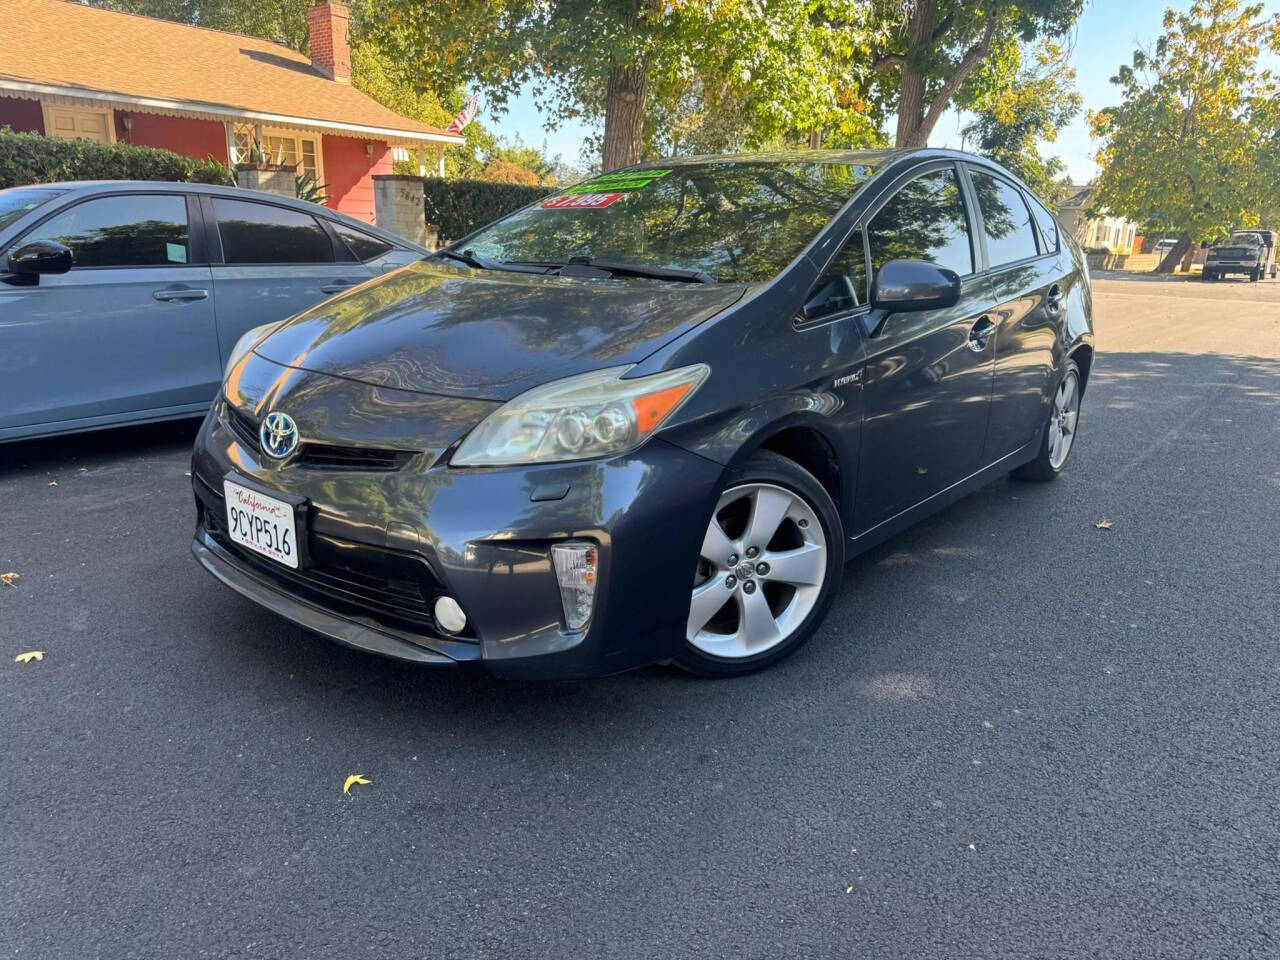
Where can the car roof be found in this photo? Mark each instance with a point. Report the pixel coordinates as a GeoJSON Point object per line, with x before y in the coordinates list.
{"type": "Point", "coordinates": [879, 158]}
{"type": "Point", "coordinates": [81, 188]}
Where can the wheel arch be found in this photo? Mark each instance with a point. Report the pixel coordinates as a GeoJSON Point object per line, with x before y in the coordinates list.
{"type": "Point", "coordinates": [1082, 354]}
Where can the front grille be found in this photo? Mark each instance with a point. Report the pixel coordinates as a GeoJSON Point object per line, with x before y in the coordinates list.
{"type": "Point", "coordinates": [323, 456]}
{"type": "Point", "coordinates": [391, 587]}
{"type": "Point", "coordinates": [320, 456]}
{"type": "Point", "coordinates": [1232, 253]}
{"type": "Point", "coordinates": [242, 425]}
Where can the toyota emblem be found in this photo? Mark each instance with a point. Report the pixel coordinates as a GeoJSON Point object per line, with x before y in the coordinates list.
{"type": "Point", "coordinates": [278, 435]}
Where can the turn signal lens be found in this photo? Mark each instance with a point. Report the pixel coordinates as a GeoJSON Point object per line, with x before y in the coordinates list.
{"type": "Point", "coordinates": [595, 414]}
{"type": "Point", "coordinates": [576, 564]}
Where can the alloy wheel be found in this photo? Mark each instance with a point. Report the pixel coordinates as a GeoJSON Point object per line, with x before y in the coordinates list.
{"type": "Point", "coordinates": [760, 572]}
{"type": "Point", "coordinates": [1062, 421]}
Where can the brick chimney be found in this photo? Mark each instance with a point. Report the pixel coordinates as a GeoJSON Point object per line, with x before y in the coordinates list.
{"type": "Point", "coordinates": [327, 27]}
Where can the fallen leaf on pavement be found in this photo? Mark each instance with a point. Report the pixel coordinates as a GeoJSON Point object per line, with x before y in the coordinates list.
{"type": "Point", "coordinates": [29, 656]}
{"type": "Point", "coordinates": [1105, 524]}
{"type": "Point", "coordinates": [8, 578]}
{"type": "Point", "coordinates": [849, 888]}
{"type": "Point", "coordinates": [53, 483]}
{"type": "Point", "coordinates": [84, 469]}
{"type": "Point", "coordinates": [353, 780]}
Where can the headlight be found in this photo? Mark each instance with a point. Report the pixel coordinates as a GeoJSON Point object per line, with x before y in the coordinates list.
{"type": "Point", "coordinates": [247, 342]}
{"type": "Point", "coordinates": [592, 415]}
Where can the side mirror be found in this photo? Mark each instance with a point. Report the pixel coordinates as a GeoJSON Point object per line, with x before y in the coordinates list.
{"type": "Point", "coordinates": [902, 286]}
{"type": "Point", "coordinates": [30, 260]}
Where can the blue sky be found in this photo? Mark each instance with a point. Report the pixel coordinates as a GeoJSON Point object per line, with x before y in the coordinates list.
{"type": "Point", "coordinates": [1104, 38]}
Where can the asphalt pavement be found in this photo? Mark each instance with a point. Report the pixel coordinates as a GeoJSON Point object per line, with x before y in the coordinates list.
{"type": "Point", "coordinates": [1017, 735]}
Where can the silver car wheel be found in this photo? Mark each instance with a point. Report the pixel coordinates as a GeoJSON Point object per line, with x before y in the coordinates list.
{"type": "Point", "coordinates": [761, 569]}
{"type": "Point", "coordinates": [1062, 421]}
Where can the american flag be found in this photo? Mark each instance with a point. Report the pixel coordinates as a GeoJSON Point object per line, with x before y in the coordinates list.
{"type": "Point", "coordinates": [462, 119]}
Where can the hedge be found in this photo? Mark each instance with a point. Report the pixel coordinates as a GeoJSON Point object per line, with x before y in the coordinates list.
{"type": "Point", "coordinates": [460, 206]}
{"type": "Point", "coordinates": [32, 158]}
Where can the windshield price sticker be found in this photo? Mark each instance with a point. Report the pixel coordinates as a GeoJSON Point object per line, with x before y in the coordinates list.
{"type": "Point", "coordinates": [585, 201]}
{"type": "Point", "coordinates": [626, 180]}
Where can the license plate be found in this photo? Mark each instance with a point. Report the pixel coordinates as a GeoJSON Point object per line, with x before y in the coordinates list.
{"type": "Point", "coordinates": [261, 523]}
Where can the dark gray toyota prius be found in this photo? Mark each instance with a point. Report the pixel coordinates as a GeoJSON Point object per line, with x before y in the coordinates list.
{"type": "Point", "coordinates": [647, 419]}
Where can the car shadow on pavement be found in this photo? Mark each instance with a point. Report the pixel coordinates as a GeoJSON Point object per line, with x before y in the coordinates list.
{"type": "Point", "coordinates": [96, 446]}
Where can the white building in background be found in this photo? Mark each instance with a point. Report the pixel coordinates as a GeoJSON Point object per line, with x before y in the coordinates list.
{"type": "Point", "coordinates": [1117, 234]}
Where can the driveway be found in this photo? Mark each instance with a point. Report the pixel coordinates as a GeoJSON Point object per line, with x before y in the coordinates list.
{"type": "Point", "coordinates": [1017, 735]}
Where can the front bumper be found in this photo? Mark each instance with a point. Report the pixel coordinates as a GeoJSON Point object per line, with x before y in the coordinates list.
{"type": "Point", "coordinates": [482, 537]}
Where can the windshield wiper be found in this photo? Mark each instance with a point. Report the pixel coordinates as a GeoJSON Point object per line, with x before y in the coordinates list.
{"type": "Point", "coordinates": [624, 269]}
{"type": "Point", "coordinates": [467, 257]}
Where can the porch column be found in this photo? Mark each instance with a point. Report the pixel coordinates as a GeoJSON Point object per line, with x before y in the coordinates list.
{"type": "Point", "coordinates": [440, 159]}
{"type": "Point", "coordinates": [422, 162]}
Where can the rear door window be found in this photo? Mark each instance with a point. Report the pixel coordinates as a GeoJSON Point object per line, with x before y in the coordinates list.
{"type": "Point", "coordinates": [924, 220]}
{"type": "Point", "coordinates": [264, 233]}
{"type": "Point", "coordinates": [125, 231]}
{"type": "Point", "coordinates": [1006, 221]}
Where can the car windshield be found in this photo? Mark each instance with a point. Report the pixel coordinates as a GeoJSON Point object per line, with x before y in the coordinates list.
{"type": "Point", "coordinates": [18, 201]}
{"type": "Point", "coordinates": [734, 221]}
{"type": "Point", "coordinates": [1241, 240]}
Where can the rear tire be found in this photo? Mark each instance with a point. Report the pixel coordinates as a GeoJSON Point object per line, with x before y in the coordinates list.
{"type": "Point", "coordinates": [1059, 432]}
{"type": "Point", "coordinates": [774, 550]}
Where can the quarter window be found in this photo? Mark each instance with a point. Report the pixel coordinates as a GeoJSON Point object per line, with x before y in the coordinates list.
{"type": "Point", "coordinates": [844, 285]}
{"type": "Point", "coordinates": [1048, 226]}
{"type": "Point", "coordinates": [265, 233]}
{"type": "Point", "coordinates": [125, 231]}
{"type": "Point", "coordinates": [362, 245]}
{"type": "Point", "coordinates": [1005, 220]}
{"type": "Point", "coordinates": [925, 220]}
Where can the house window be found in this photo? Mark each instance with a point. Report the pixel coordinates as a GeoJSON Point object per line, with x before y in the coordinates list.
{"type": "Point", "coordinates": [290, 147]}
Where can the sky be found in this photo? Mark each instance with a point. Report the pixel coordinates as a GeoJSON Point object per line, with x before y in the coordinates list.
{"type": "Point", "coordinates": [1104, 38]}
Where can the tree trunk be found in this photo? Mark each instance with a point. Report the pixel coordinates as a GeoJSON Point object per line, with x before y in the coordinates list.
{"type": "Point", "coordinates": [911, 105]}
{"type": "Point", "coordinates": [1174, 256]}
{"type": "Point", "coordinates": [624, 115]}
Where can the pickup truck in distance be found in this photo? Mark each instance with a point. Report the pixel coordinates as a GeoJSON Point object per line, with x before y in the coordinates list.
{"type": "Point", "coordinates": [1249, 252]}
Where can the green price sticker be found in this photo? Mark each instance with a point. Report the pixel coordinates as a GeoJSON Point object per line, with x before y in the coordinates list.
{"type": "Point", "coordinates": [611, 182]}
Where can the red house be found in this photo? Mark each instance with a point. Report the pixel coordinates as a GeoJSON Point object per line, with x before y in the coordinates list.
{"type": "Point", "coordinates": [75, 71]}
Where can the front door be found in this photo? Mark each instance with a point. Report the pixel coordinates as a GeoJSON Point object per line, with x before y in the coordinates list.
{"type": "Point", "coordinates": [128, 329]}
{"type": "Point", "coordinates": [928, 375]}
{"type": "Point", "coordinates": [277, 261]}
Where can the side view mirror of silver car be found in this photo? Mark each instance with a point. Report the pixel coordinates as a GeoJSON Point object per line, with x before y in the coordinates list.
{"type": "Point", "coordinates": [30, 260]}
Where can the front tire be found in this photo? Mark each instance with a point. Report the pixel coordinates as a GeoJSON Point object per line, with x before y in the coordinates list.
{"type": "Point", "coordinates": [1059, 433]}
{"type": "Point", "coordinates": [768, 569]}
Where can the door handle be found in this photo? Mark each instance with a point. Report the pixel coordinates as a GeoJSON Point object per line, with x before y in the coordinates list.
{"type": "Point", "coordinates": [1053, 302]}
{"type": "Point", "coordinates": [180, 295]}
{"type": "Point", "coordinates": [337, 286]}
{"type": "Point", "coordinates": [980, 333]}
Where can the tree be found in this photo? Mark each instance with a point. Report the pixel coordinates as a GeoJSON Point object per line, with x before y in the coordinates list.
{"type": "Point", "coordinates": [1011, 121]}
{"type": "Point", "coordinates": [652, 71]}
{"type": "Point", "coordinates": [1189, 146]}
{"type": "Point", "coordinates": [928, 53]}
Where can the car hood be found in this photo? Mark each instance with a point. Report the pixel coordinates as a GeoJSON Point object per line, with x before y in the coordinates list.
{"type": "Point", "coordinates": [434, 328]}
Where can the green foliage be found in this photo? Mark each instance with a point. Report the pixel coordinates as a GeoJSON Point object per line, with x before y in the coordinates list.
{"type": "Point", "coordinates": [307, 188]}
{"type": "Point", "coordinates": [461, 206]}
{"type": "Point", "coordinates": [927, 54]}
{"type": "Point", "coordinates": [1012, 120]}
{"type": "Point", "coordinates": [1192, 147]}
{"type": "Point", "coordinates": [31, 158]}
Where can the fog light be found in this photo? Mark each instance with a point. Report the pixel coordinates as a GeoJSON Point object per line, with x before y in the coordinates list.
{"type": "Point", "coordinates": [576, 566]}
{"type": "Point", "coordinates": [449, 616]}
